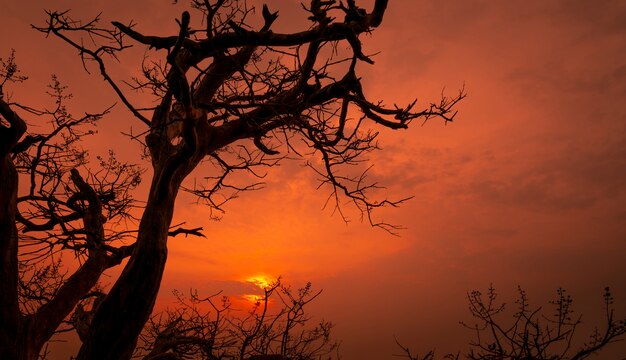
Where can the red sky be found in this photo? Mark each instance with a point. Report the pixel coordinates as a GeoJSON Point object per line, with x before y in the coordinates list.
{"type": "Point", "coordinates": [527, 187]}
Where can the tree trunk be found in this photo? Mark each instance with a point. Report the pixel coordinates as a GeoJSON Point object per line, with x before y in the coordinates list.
{"type": "Point", "coordinates": [119, 319]}
{"type": "Point", "coordinates": [10, 318]}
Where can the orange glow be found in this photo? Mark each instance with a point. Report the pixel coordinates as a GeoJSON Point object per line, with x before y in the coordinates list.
{"type": "Point", "coordinates": [527, 186]}
{"type": "Point", "coordinates": [253, 298]}
{"type": "Point", "coordinates": [261, 281]}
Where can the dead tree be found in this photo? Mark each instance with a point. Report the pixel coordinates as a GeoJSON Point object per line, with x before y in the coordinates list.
{"type": "Point", "coordinates": [240, 97]}
{"type": "Point", "coordinates": [535, 335]}
{"type": "Point", "coordinates": [276, 328]}
{"type": "Point", "coordinates": [532, 333]}
{"type": "Point", "coordinates": [56, 211]}
{"type": "Point", "coordinates": [48, 208]}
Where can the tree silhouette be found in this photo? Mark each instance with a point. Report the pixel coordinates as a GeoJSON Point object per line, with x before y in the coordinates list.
{"type": "Point", "coordinates": [277, 328]}
{"type": "Point", "coordinates": [57, 211]}
{"type": "Point", "coordinates": [229, 96]}
{"type": "Point", "coordinates": [532, 334]}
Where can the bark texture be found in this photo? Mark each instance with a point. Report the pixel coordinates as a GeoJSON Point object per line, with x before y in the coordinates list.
{"type": "Point", "coordinates": [10, 317]}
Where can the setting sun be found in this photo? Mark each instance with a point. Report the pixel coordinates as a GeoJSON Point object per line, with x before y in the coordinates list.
{"type": "Point", "coordinates": [261, 281]}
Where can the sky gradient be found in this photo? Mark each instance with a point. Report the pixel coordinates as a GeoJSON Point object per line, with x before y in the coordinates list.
{"type": "Point", "coordinates": [527, 187]}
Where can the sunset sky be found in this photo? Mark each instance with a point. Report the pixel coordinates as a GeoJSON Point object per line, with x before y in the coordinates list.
{"type": "Point", "coordinates": [527, 187]}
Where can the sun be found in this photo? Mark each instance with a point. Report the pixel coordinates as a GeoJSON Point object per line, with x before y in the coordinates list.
{"type": "Point", "coordinates": [261, 281]}
{"type": "Point", "coordinates": [264, 283]}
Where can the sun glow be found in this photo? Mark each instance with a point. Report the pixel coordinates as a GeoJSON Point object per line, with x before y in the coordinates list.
{"type": "Point", "coordinates": [264, 283]}
{"type": "Point", "coordinates": [261, 281]}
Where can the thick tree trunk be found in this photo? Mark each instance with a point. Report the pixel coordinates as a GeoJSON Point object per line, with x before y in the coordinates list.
{"type": "Point", "coordinates": [15, 337]}
{"type": "Point", "coordinates": [121, 316]}
{"type": "Point", "coordinates": [10, 318]}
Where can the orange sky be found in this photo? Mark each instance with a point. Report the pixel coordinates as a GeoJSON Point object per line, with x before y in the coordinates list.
{"type": "Point", "coordinates": [527, 187]}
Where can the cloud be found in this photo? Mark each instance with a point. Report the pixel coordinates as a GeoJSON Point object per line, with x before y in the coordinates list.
{"type": "Point", "coordinates": [556, 178]}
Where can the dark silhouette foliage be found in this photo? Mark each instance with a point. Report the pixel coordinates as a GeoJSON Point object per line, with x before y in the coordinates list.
{"type": "Point", "coordinates": [532, 333]}
{"type": "Point", "coordinates": [277, 327]}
